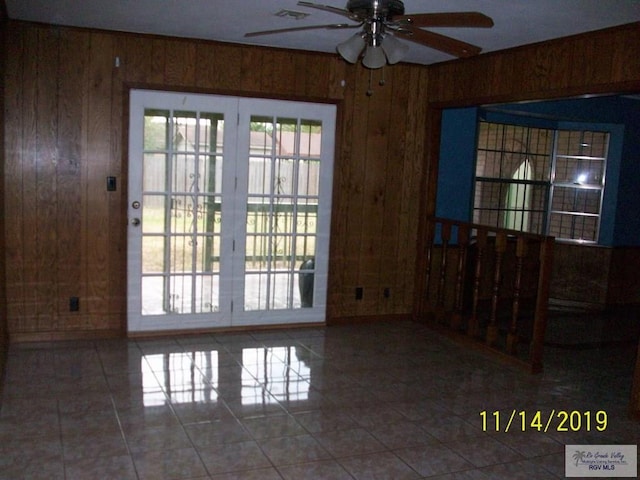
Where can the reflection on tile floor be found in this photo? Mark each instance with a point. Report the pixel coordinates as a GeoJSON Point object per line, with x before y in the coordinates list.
{"type": "Point", "coordinates": [386, 401]}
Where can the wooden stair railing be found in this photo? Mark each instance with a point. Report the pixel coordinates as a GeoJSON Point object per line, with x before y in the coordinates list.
{"type": "Point", "coordinates": [490, 285]}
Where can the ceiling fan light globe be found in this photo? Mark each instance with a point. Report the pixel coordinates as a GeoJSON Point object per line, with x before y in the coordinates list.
{"type": "Point", "coordinates": [374, 58]}
{"type": "Point", "coordinates": [394, 49]}
{"type": "Point", "coordinates": [351, 49]}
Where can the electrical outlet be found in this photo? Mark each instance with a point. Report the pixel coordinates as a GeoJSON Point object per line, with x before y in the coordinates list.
{"type": "Point", "coordinates": [111, 184]}
{"type": "Point", "coordinates": [74, 304]}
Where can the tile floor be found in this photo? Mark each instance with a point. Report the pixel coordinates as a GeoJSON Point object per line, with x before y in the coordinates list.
{"type": "Point", "coordinates": [381, 401]}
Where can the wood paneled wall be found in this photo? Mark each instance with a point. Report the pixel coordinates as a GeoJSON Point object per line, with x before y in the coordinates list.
{"type": "Point", "coordinates": [606, 61]}
{"type": "Point", "coordinates": [66, 108]}
{"type": "Point", "coordinates": [65, 132]}
{"type": "Point", "coordinates": [3, 269]}
{"type": "Point", "coordinates": [624, 283]}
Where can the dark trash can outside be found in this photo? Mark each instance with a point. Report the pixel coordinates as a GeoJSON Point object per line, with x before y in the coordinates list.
{"type": "Point", "coordinates": [305, 282]}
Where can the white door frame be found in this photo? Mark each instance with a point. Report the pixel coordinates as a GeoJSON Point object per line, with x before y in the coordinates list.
{"type": "Point", "coordinates": [237, 112]}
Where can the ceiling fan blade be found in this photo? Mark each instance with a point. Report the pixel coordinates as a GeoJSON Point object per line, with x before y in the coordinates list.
{"type": "Point", "coordinates": [445, 44]}
{"type": "Point", "coordinates": [451, 19]}
{"type": "Point", "coordinates": [327, 8]}
{"type": "Point", "coordinates": [298, 29]}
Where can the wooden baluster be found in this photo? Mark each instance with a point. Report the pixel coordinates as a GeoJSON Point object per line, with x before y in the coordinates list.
{"type": "Point", "coordinates": [445, 235]}
{"type": "Point", "coordinates": [463, 244]}
{"type": "Point", "coordinates": [492, 329]}
{"type": "Point", "coordinates": [542, 304]}
{"type": "Point", "coordinates": [430, 242]}
{"type": "Point", "coordinates": [512, 335]}
{"type": "Point", "coordinates": [473, 329]}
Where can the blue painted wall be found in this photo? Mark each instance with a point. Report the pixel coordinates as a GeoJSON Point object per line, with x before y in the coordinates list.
{"type": "Point", "coordinates": [457, 162]}
{"type": "Point", "coordinates": [620, 224]}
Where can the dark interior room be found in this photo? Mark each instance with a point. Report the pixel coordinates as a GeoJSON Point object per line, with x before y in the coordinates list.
{"type": "Point", "coordinates": [247, 244]}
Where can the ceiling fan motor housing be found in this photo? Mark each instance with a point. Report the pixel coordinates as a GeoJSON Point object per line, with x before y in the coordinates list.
{"type": "Point", "coordinates": [371, 8]}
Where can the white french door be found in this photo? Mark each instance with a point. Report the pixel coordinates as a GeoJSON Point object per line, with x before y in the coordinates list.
{"type": "Point", "coordinates": [229, 211]}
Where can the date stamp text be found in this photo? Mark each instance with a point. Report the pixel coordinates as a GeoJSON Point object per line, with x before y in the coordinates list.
{"type": "Point", "coordinates": [550, 421]}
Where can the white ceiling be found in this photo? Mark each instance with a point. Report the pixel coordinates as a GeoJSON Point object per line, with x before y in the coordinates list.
{"type": "Point", "coordinates": [517, 22]}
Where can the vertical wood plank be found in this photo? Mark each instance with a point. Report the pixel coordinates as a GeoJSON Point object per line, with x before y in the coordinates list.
{"type": "Point", "coordinates": [250, 70]}
{"type": "Point", "coordinates": [625, 61]}
{"type": "Point", "coordinates": [375, 141]}
{"type": "Point", "coordinates": [299, 80]}
{"type": "Point", "coordinates": [218, 69]}
{"type": "Point", "coordinates": [46, 164]}
{"type": "Point", "coordinates": [180, 63]}
{"type": "Point", "coordinates": [414, 189]}
{"type": "Point", "coordinates": [117, 204]}
{"type": "Point", "coordinates": [29, 320]}
{"type": "Point", "coordinates": [346, 199]}
{"type": "Point", "coordinates": [501, 67]}
{"type": "Point", "coordinates": [16, 88]}
{"type": "Point", "coordinates": [136, 61]}
{"type": "Point", "coordinates": [3, 261]}
{"type": "Point", "coordinates": [98, 150]}
{"type": "Point", "coordinates": [336, 77]}
{"type": "Point", "coordinates": [396, 162]}
{"type": "Point", "coordinates": [72, 78]}
{"type": "Point", "coordinates": [554, 74]}
{"type": "Point", "coordinates": [156, 75]}
{"type": "Point", "coordinates": [316, 76]}
{"type": "Point", "coordinates": [354, 153]}
{"type": "Point", "coordinates": [208, 74]}
{"type": "Point", "coordinates": [268, 80]}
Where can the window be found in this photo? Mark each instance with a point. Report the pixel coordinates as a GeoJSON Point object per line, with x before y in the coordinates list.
{"type": "Point", "coordinates": [540, 180]}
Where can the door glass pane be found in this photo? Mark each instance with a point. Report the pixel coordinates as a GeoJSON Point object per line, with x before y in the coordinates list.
{"type": "Point", "coordinates": [153, 260]}
{"type": "Point", "coordinates": [153, 213]}
{"type": "Point", "coordinates": [309, 178]}
{"type": "Point", "coordinates": [156, 130]}
{"type": "Point", "coordinates": [282, 208]}
{"type": "Point", "coordinates": [181, 211]}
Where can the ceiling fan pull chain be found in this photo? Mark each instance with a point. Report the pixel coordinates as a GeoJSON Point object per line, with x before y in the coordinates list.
{"type": "Point", "coordinates": [382, 81]}
{"type": "Point", "coordinates": [370, 89]}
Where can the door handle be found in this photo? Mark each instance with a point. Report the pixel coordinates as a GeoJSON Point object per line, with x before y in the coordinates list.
{"type": "Point", "coordinates": [135, 222]}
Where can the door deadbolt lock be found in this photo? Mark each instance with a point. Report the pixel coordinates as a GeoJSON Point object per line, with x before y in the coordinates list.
{"type": "Point", "coordinates": [135, 222]}
{"type": "Point", "coordinates": [136, 205]}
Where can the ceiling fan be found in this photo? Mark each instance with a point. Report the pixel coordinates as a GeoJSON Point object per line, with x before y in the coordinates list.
{"type": "Point", "coordinates": [381, 21]}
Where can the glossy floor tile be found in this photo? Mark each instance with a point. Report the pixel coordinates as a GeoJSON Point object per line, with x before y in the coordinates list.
{"type": "Point", "coordinates": [379, 401]}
